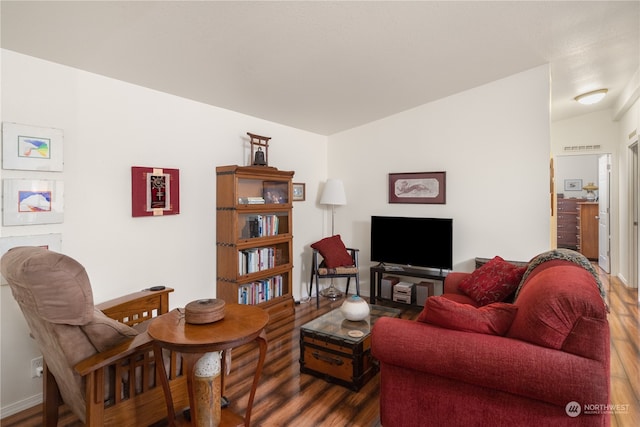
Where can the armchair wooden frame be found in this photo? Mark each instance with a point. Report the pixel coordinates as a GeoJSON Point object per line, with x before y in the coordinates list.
{"type": "Point", "coordinates": [130, 405]}
{"type": "Point", "coordinates": [319, 271]}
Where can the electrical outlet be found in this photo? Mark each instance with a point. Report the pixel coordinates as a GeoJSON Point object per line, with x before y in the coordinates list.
{"type": "Point", "coordinates": [37, 367]}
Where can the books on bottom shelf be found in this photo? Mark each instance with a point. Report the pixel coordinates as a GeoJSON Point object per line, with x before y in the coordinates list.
{"type": "Point", "coordinates": [260, 290]}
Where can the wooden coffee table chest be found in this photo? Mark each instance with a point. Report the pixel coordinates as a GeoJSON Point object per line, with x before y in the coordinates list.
{"type": "Point", "coordinates": [339, 350]}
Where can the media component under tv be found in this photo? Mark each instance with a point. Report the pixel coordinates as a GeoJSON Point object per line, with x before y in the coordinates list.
{"type": "Point", "coordinates": [415, 242]}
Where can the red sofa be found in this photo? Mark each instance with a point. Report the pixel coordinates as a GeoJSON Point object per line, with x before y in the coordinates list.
{"type": "Point", "coordinates": [547, 365]}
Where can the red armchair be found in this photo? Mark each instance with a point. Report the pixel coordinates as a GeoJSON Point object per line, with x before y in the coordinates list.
{"type": "Point", "coordinates": [550, 366]}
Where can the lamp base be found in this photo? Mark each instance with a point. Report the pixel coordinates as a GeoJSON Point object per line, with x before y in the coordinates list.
{"type": "Point", "coordinates": [331, 292]}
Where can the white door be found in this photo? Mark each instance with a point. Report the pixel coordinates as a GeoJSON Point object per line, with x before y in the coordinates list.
{"type": "Point", "coordinates": [634, 257]}
{"type": "Point", "coordinates": [604, 172]}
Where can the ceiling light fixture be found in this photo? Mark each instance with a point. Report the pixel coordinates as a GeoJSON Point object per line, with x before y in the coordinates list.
{"type": "Point", "coordinates": [592, 97]}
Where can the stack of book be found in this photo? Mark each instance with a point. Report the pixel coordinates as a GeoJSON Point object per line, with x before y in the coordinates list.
{"type": "Point", "coordinates": [251, 200]}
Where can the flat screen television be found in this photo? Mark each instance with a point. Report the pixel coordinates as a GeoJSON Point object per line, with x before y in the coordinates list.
{"type": "Point", "coordinates": [415, 242]}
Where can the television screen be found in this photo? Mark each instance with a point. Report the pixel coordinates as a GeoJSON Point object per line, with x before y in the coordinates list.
{"type": "Point", "coordinates": [416, 242]}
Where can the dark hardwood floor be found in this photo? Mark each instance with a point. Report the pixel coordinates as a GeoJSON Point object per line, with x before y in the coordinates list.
{"type": "Point", "coordinates": [287, 398]}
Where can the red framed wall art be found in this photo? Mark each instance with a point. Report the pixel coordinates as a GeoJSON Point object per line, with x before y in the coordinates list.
{"type": "Point", "coordinates": [154, 191]}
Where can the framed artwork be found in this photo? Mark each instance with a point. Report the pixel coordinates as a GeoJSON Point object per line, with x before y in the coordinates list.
{"type": "Point", "coordinates": [298, 192]}
{"type": "Point", "coordinates": [49, 241]}
{"type": "Point", "coordinates": [572, 185]}
{"type": "Point", "coordinates": [28, 202]}
{"type": "Point", "coordinates": [154, 191]}
{"type": "Point", "coordinates": [275, 192]}
{"type": "Point", "coordinates": [31, 148]}
{"type": "Point", "coordinates": [417, 187]}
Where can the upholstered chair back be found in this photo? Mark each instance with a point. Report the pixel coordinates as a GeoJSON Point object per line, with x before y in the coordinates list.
{"type": "Point", "coordinates": [55, 296]}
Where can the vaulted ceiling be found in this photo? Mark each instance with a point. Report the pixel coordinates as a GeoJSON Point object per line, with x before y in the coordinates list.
{"type": "Point", "coordinates": [327, 66]}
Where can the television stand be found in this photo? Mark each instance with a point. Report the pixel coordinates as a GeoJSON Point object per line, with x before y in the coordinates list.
{"type": "Point", "coordinates": [376, 273]}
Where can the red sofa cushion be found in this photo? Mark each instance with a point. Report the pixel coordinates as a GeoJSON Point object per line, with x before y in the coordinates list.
{"type": "Point", "coordinates": [492, 282]}
{"type": "Point", "coordinates": [551, 303]}
{"type": "Point", "coordinates": [333, 251]}
{"type": "Point", "coordinates": [492, 319]}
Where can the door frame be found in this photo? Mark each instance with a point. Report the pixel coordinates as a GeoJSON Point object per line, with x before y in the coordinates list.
{"type": "Point", "coordinates": [634, 209]}
{"type": "Point", "coordinates": [604, 213]}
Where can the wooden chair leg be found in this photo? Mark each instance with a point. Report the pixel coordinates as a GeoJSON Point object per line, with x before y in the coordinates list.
{"type": "Point", "coordinates": [358, 284]}
{"type": "Point", "coordinates": [51, 397]}
{"type": "Point", "coordinates": [346, 292]}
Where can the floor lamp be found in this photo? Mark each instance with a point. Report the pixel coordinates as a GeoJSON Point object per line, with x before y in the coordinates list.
{"type": "Point", "coordinates": [333, 195]}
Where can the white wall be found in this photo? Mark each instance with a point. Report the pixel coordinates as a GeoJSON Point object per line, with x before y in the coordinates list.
{"type": "Point", "coordinates": [493, 142]}
{"type": "Point", "coordinates": [110, 126]}
{"type": "Point", "coordinates": [584, 167]}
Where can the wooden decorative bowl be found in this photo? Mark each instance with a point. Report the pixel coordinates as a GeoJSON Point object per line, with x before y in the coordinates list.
{"type": "Point", "coordinates": [204, 311]}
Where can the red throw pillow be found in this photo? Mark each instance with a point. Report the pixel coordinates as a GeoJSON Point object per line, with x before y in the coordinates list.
{"type": "Point", "coordinates": [333, 251]}
{"type": "Point", "coordinates": [491, 319]}
{"type": "Point", "coordinates": [492, 282]}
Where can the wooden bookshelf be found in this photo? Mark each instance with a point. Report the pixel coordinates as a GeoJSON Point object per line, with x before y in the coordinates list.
{"type": "Point", "coordinates": [254, 238]}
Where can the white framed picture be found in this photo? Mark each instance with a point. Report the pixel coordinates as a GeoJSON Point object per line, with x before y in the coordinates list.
{"type": "Point", "coordinates": [51, 241]}
{"type": "Point", "coordinates": [30, 201]}
{"type": "Point", "coordinates": [27, 147]}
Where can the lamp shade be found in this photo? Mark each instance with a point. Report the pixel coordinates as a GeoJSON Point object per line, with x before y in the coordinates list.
{"type": "Point", "coordinates": [333, 193]}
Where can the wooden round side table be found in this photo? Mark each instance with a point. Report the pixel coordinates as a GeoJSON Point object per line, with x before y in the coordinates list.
{"type": "Point", "coordinates": [241, 324]}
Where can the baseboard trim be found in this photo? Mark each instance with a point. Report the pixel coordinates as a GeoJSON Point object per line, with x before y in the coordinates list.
{"type": "Point", "coordinates": [623, 280]}
{"type": "Point", "coordinates": [20, 406]}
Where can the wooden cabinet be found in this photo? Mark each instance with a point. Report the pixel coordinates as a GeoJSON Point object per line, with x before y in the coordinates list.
{"type": "Point", "coordinates": [567, 222]}
{"type": "Point", "coordinates": [254, 238]}
{"type": "Point", "coordinates": [588, 229]}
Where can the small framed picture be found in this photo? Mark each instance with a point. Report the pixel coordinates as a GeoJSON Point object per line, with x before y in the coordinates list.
{"type": "Point", "coordinates": [417, 187]}
{"type": "Point", "coordinates": [30, 201]}
{"type": "Point", "coordinates": [572, 185]}
{"type": "Point", "coordinates": [298, 192]}
{"type": "Point", "coordinates": [35, 148]}
{"type": "Point", "coordinates": [275, 192]}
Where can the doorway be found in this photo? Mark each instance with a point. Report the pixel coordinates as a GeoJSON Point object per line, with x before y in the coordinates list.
{"type": "Point", "coordinates": [572, 173]}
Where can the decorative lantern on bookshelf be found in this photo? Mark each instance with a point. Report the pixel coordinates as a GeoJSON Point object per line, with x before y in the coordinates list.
{"type": "Point", "coordinates": [259, 157]}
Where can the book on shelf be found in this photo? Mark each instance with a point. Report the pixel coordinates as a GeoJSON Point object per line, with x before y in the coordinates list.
{"type": "Point", "coordinates": [251, 200]}
{"type": "Point", "coordinates": [256, 259]}
{"type": "Point", "coordinates": [261, 225]}
{"type": "Point", "coordinates": [260, 291]}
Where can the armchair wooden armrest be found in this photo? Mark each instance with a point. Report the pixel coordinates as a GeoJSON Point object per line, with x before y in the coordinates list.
{"type": "Point", "coordinates": [114, 354]}
{"type": "Point", "coordinates": [122, 378]}
{"type": "Point", "coordinates": [137, 307]}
